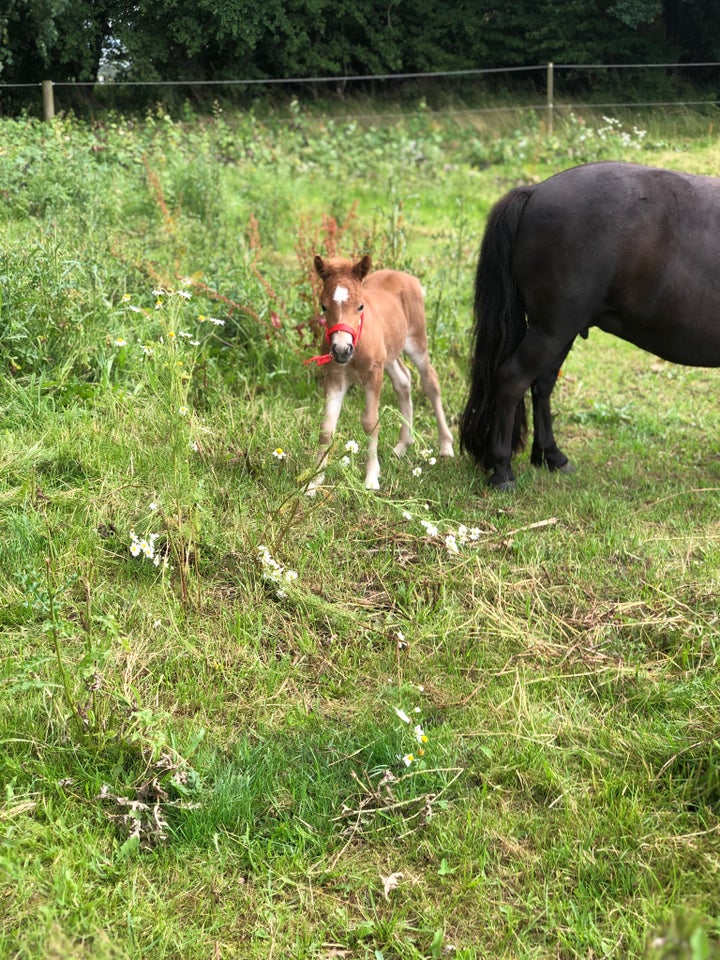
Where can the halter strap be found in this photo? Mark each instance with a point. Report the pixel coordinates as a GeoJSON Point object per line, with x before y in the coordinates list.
{"type": "Point", "coordinates": [342, 328]}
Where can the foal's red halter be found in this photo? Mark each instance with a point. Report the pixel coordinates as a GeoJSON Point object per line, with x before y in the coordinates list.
{"type": "Point", "coordinates": [343, 328]}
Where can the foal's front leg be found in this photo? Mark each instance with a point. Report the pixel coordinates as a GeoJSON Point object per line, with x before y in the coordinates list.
{"type": "Point", "coordinates": [371, 426]}
{"type": "Point", "coordinates": [335, 389]}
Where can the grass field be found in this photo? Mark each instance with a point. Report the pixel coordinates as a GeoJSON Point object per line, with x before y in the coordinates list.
{"type": "Point", "coordinates": [433, 721]}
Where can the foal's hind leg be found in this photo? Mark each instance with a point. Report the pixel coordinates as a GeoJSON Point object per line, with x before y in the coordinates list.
{"type": "Point", "coordinates": [402, 382]}
{"type": "Point", "coordinates": [431, 388]}
{"type": "Point", "coordinates": [545, 451]}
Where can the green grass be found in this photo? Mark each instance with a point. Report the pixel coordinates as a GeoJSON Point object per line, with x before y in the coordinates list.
{"type": "Point", "coordinates": [199, 761]}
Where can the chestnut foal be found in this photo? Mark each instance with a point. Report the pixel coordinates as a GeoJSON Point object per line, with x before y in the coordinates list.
{"type": "Point", "coordinates": [371, 318]}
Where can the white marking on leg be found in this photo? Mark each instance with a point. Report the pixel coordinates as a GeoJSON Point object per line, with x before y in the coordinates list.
{"type": "Point", "coordinates": [371, 426]}
{"type": "Point", "coordinates": [334, 397]}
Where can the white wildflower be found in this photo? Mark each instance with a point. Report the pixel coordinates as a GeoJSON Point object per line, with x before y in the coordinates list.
{"type": "Point", "coordinates": [451, 543]}
{"type": "Point", "coordinates": [273, 572]}
{"type": "Point", "coordinates": [430, 528]}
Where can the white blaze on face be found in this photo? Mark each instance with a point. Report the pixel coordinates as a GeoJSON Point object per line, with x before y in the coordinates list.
{"type": "Point", "coordinates": [341, 295]}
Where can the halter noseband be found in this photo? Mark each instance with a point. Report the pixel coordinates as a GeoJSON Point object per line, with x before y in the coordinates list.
{"type": "Point", "coordinates": [342, 328]}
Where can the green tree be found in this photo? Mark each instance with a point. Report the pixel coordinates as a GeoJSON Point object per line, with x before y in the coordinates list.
{"type": "Point", "coordinates": [197, 40]}
{"type": "Point", "coordinates": [53, 39]}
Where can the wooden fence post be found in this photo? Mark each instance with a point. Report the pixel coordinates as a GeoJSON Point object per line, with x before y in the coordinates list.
{"type": "Point", "coordinates": [550, 98]}
{"type": "Point", "coordinates": [48, 100]}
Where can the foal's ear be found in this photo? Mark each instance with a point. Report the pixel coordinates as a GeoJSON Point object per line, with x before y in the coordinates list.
{"type": "Point", "coordinates": [362, 268]}
{"type": "Point", "coordinates": [320, 267]}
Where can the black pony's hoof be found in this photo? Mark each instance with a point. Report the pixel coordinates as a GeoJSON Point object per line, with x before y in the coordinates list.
{"type": "Point", "coordinates": [554, 460]}
{"type": "Point", "coordinates": [560, 466]}
{"type": "Point", "coordinates": [497, 483]}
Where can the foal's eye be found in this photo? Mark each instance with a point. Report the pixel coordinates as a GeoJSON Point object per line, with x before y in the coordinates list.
{"type": "Point", "coordinates": [361, 308]}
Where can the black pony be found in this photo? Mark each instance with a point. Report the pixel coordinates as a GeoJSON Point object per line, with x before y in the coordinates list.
{"type": "Point", "coordinates": [632, 250]}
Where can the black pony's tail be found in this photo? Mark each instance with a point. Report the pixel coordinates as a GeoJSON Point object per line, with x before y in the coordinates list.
{"type": "Point", "coordinates": [499, 326]}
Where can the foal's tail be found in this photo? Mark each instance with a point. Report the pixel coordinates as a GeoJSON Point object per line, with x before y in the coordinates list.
{"type": "Point", "coordinates": [499, 326]}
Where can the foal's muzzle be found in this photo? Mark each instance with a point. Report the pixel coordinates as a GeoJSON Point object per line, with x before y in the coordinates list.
{"type": "Point", "coordinates": [342, 352]}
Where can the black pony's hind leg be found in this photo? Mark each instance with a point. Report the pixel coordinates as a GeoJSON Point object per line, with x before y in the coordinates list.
{"type": "Point", "coordinates": [545, 451]}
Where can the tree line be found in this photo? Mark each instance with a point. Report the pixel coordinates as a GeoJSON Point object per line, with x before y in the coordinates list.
{"type": "Point", "coordinates": [201, 40]}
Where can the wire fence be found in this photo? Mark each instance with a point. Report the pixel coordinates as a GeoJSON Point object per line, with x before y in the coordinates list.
{"type": "Point", "coordinates": [549, 103]}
